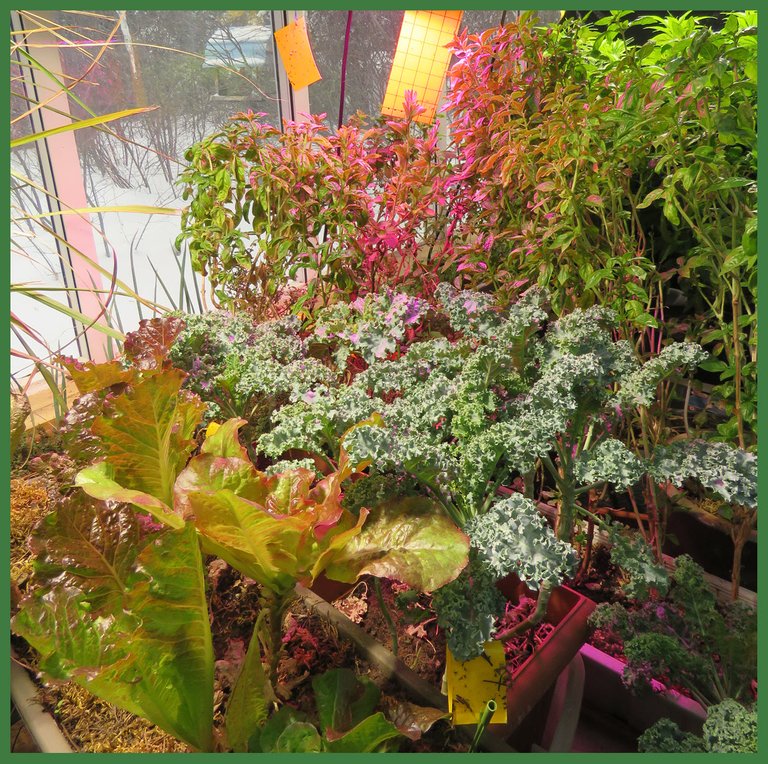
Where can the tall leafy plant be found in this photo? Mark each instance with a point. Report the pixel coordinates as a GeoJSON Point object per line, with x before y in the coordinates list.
{"type": "Point", "coordinates": [355, 207]}
{"type": "Point", "coordinates": [549, 131]}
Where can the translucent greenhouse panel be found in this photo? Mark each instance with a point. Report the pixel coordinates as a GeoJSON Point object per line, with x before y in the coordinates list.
{"type": "Point", "coordinates": [372, 42]}
{"type": "Point", "coordinates": [198, 68]}
{"type": "Point", "coordinates": [35, 263]}
{"type": "Point", "coordinates": [479, 21]}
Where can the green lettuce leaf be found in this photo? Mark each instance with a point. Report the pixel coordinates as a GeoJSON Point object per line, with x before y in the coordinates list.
{"type": "Point", "coordinates": [91, 377]}
{"type": "Point", "coordinates": [251, 697]}
{"type": "Point", "coordinates": [343, 699]}
{"type": "Point", "coordinates": [124, 615]}
{"type": "Point", "coordinates": [98, 482]}
{"type": "Point", "coordinates": [273, 528]}
{"type": "Point", "coordinates": [366, 737]}
{"type": "Point", "coordinates": [408, 540]}
{"type": "Point", "coordinates": [147, 438]}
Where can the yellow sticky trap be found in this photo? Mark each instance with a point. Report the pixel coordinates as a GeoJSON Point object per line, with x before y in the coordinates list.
{"type": "Point", "coordinates": [421, 61]}
{"type": "Point", "coordinates": [471, 684]}
{"type": "Point", "coordinates": [296, 54]}
{"type": "Point", "coordinates": [211, 428]}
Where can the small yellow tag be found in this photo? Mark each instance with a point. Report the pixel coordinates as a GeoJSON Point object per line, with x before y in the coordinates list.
{"type": "Point", "coordinates": [471, 684]}
{"type": "Point", "coordinates": [211, 428]}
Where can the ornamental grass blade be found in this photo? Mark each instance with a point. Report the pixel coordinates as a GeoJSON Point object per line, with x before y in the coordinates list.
{"type": "Point", "coordinates": [80, 124]}
{"type": "Point", "coordinates": [124, 614]}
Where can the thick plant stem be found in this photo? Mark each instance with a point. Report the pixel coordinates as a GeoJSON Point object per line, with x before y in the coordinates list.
{"type": "Point", "coordinates": [387, 615]}
{"type": "Point", "coordinates": [277, 604]}
{"type": "Point", "coordinates": [736, 308]}
{"type": "Point", "coordinates": [739, 535]}
{"type": "Point", "coordinates": [534, 619]}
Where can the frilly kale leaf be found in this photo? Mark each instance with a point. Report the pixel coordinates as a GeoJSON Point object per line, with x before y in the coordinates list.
{"type": "Point", "coordinates": [728, 471]}
{"type": "Point", "coordinates": [373, 326]}
{"type": "Point", "coordinates": [610, 461]}
{"type": "Point", "coordinates": [513, 537]}
{"type": "Point", "coordinates": [666, 737]}
{"type": "Point", "coordinates": [633, 555]}
{"type": "Point", "coordinates": [639, 387]}
{"type": "Point", "coordinates": [729, 728]}
{"type": "Point", "coordinates": [467, 608]}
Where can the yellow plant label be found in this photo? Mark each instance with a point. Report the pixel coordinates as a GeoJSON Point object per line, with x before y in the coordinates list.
{"type": "Point", "coordinates": [295, 53]}
{"type": "Point", "coordinates": [471, 684]}
{"type": "Point", "coordinates": [211, 428]}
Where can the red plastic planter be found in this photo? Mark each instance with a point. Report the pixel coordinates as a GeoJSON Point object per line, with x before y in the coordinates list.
{"type": "Point", "coordinates": [330, 590]}
{"type": "Point", "coordinates": [567, 611]}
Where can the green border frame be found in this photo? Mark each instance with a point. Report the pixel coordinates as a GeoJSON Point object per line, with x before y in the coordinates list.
{"type": "Point", "coordinates": [703, 5]}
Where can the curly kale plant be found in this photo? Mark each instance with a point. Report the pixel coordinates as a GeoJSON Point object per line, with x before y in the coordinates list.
{"type": "Point", "coordinates": [728, 473]}
{"type": "Point", "coordinates": [512, 537]}
{"type": "Point", "coordinates": [466, 414]}
{"type": "Point", "coordinates": [729, 728]}
{"type": "Point", "coordinates": [242, 369]}
{"type": "Point", "coordinates": [686, 639]}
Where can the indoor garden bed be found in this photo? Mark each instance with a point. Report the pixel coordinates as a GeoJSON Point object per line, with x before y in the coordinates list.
{"type": "Point", "coordinates": [411, 476]}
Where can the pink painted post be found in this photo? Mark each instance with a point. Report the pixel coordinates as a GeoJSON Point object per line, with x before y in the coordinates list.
{"type": "Point", "coordinates": [70, 185]}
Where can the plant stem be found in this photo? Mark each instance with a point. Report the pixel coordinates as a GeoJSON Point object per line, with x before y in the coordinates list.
{"type": "Point", "coordinates": [736, 313]}
{"type": "Point", "coordinates": [277, 604]}
{"type": "Point", "coordinates": [536, 617]}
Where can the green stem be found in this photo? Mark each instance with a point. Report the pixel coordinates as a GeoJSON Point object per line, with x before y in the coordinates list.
{"type": "Point", "coordinates": [277, 604]}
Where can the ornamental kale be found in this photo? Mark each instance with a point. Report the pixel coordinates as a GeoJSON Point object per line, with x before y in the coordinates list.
{"type": "Point", "coordinates": [245, 370]}
{"type": "Point", "coordinates": [463, 416]}
{"type": "Point", "coordinates": [512, 537]}
{"type": "Point", "coordinates": [468, 607]}
{"type": "Point", "coordinates": [686, 639]}
{"type": "Point", "coordinates": [729, 728]}
{"type": "Point", "coordinates": [373, 327]}
{"type": "Point", "coordinates": [727, 471]}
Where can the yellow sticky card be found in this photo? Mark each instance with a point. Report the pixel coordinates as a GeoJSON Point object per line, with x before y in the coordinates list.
{"type": "Point", "coordinates": [471, 684]}
{"type": "Point", "coordinates": [296, 55]}
{"type": "Point", "coordinates": [421, 61]}
{"type": "Point", "coordinates": [211, 428]}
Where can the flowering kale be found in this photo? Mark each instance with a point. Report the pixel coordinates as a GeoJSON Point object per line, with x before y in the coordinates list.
{"type": "Point", "coordinates": [609, 461]}
{"type": "Point", "coordinates": [639, 387]}
{"type": "Point", "coordinates": [242, 369]}
{"type": "Point", "coordinates": [374, 326]}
